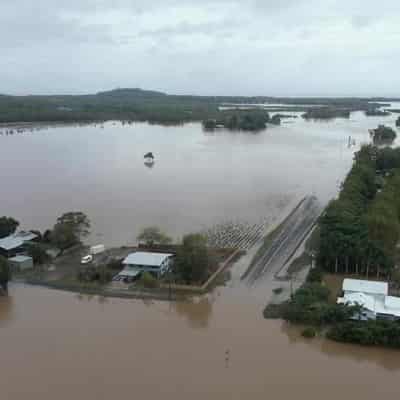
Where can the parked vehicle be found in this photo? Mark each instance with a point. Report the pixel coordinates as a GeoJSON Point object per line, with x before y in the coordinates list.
{"type": "Point", "coordinates": [97, 249]}
{"type": "Point", "coordinates": [87, 259]}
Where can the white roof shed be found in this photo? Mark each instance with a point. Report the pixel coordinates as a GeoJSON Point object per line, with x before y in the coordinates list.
{"type": "Point", "coordinates": [369, 287]}
{"type": "Point", "coordinates": [146, 259]}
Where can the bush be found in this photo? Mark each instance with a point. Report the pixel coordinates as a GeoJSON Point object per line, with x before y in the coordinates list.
{"type": "Point", "coordinates": [274, 311]}
{"type": "Point", "coordinates": [278, 290]}
{"type": "Point", "coordinates": [148, 281]}
{"type": "Point", "coordinates": [315, 275]}
{"type": "Point", "coordinates": [368, 333]}
{"type": "Point", "coordinates": [309, 333]}
{"type": "Point", "coordinates": [115, 264]}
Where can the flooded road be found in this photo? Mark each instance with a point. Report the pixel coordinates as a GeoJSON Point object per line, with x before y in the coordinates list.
{"type": "Point", "coordinates": [58, 345]}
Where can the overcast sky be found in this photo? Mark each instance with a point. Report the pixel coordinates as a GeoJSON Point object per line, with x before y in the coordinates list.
{"type": "Point", "coordinates": [231, 47]}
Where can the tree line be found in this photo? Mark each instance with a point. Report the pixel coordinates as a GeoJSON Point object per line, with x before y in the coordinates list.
{"type": "Point", "coordinates": [237, 120]}
{"type": "Point", "coordinates": [360, 229]}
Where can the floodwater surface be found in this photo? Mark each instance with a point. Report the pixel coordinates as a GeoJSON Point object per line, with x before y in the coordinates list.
{"type": "Point", "coordinates": [59, 345]}
{"type": "Point", "coordinates": [199, 178]}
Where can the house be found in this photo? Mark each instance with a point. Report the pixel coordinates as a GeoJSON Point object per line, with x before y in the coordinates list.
{"type": "Point", "coordinates": [373, 297]}
{"type": "Point", "coordinates": [155, 263]}
{"type": "Point", "coordinates": [14, 244]}
{"type": "Point", "coordinates": [21, 263]}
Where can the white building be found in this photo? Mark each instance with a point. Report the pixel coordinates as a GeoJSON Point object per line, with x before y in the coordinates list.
{"type": "Point", "coordinates": [373, 297]}
{"type": "Point", "coordinates": [136, 263]}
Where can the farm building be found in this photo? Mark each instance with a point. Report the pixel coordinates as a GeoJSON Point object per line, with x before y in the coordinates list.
{"type": "Point", "coordinates": [21, 263]}
{"type": "Point", "coordinates": [15, 244]}
{"type": "Point", "coordinates": [155, 263]}
{"type": "Point", "coordinates": [372, 297]}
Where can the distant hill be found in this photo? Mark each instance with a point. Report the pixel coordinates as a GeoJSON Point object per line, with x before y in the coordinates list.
{"type": "Point", "coordinates": [127, 93]}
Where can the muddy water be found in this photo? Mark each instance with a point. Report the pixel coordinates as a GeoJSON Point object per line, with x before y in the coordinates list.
{"type": "Point", "coordinates": [199, 179]}
{"type": "Point", "coordinates": [58, 345]}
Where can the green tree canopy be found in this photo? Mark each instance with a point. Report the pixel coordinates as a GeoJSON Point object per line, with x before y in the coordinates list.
{"type": "Point", "coordinates": [8, 226]}
{"type": "Point", "coordinates": [152, 235]}
{"type": "Point", "coordinates": [70, 229]}
{"type": "Point", "coordinates": [5, 273]}
{"type": "Point", "coordinates": [38, 253]}
{"type": "Point", "coordinates": [192, 260]}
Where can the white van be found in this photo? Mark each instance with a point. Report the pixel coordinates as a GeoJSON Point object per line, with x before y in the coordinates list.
{"type": "Point", "coordinates": [99, 248]}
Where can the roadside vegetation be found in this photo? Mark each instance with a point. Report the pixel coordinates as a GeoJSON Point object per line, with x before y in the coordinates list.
{"type": "Point", "coordinates": [359, 230]}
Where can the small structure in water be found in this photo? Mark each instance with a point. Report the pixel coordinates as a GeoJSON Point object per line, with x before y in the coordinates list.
{"type": "Point", "coordinates": [149, 159]}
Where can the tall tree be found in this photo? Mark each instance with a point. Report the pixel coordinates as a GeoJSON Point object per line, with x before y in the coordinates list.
{"type": "Point", "coordinates": [8, 226]}
{"type": "Point", "coordinates": [5, 273]}
{"type": "Point", "coordinates": [71, 228]}
{"type": "Point", "coordinates": [192, 260]}
{"type": "Point", "coordinates": [153, 235]}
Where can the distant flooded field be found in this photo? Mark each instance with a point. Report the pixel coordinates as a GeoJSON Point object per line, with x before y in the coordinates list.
{"type": "Point", "coordinates": [199, 179]}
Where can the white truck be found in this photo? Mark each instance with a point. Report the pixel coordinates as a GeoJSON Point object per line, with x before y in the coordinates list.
{"type": "Point", "coordinates": [97, 249]}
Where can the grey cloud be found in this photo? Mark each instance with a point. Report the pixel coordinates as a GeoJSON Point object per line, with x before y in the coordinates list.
{"type": "Point", "coordinates": [206, 47]}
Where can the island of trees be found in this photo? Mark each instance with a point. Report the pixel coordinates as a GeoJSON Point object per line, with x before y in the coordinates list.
{"type": "Point", "coordinates": [383, 135]}
{"type": "Point", "coordinates": [376, 112]}
{"type": "Point", "coordinates": [326, 113]}
{"type": "Point", "coordinates": [242, 121]}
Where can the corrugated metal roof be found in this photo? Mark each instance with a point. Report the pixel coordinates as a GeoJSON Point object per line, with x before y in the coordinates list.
{"type": "Point", "coordinates": [10, 243]}
{"type": "Point", "coordinates": [146, 259]}
{"type": "Point", "coordinates": [392, 303]}
{"type": "Point", "coordinates": [368, 302]}
{"type": "Point", "coordinates": [16, 240]}
{"type": "Point", "coordinates": [26, 236]}
{"type": "Point", "coordinates": [372, 287]}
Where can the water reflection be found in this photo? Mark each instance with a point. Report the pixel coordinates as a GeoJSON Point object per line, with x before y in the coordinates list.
{"type": "Point", "coordinates": [6, 310]}
{"type": "Point", "coordinates": [386, 358]}
{"type": "Point", "coordinates": [197, 311]}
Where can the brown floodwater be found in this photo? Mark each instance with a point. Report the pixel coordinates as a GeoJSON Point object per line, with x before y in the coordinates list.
{"type": "Point", "coordinates": [59, 345]}
{"type": "Point", "coordinates": [198, 180]}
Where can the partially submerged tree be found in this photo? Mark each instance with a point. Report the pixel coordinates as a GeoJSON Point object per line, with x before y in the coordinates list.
{"type": "Point", "coordinates": [71, 228]}
{"type": "Point", "coordinates": [8, 226]}
{"type": "Point", "coordinates": [5, 273]}
{"type": "Point", "coordinates": [192, 259]}
{"type": "Point", "coordinates": [38, 253]}
{"type": "Point", "coordinates": [152, 235]}
{"type": "Point", "coordinates": [383, 135]}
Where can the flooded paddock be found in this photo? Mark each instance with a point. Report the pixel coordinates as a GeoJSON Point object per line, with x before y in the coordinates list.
{"type": "Point", "coordinates": [59, 345]}
{"type": "Point", "coordinates": [231, 184]}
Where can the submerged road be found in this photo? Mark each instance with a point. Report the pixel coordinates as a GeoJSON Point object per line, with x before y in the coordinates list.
{"type": "Point", "coordinates": [291, 234]}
